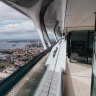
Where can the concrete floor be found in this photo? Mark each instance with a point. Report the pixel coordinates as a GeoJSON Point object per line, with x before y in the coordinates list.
{"type": "Point", "coordinates": [77, 79]}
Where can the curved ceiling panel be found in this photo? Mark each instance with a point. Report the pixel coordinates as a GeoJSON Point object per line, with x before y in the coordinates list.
{"type": "Point", "coordinates": [80, 14]}
{"type": "Point", "coordinates": [25, 3]}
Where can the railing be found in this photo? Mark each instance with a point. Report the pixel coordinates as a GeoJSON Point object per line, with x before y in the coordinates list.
{"type": "Point", "coordinates": [7, 84]}
{"type": "Point", "coordinates": [52, 82]}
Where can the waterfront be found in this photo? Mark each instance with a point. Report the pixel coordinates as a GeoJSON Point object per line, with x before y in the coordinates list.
{"type": "Point", "coordinates": [15, 54]}
{"type": "Point", "coordinates": [12, 45]}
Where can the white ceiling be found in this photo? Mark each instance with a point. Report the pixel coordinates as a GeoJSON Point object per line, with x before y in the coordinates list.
{"type": "Point", "coordinates": [80, 14]}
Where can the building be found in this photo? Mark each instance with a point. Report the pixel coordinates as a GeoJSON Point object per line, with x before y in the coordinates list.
{"type": "Point", "coordinates": [72, 22]}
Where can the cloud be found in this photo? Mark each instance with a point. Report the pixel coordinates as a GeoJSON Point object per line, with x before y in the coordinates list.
{"type": "Point", "coordinates": [14, 25]}
{"type": "Point", "coordinates": [15, 29]}
{"type": "Point", "coordinates": [9, 13]}
{"type": "Point", "coordinates": [18, 27]}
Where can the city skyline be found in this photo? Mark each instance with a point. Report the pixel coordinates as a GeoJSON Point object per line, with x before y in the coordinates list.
{"type": "Point", "coordinates": [15, 57]}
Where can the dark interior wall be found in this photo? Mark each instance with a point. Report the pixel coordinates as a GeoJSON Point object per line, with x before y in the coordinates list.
{"type": "Point", "coordinates": [80, 43]}
{"type": "Point", "coordinates": [81, 38]}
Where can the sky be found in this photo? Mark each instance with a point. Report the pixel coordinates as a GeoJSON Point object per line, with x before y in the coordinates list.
{"type": "Point", "coordinates": [14, 25]}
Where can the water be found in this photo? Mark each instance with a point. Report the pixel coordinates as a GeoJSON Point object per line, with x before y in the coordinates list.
{"type": "Point", "coordinates": [12, 45]}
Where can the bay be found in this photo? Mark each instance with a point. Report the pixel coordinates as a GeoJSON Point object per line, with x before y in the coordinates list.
{"type": "Point", "coordinates": [12, 45]}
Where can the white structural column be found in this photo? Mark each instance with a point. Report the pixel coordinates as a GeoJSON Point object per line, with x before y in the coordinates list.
{"type": "Point", "coordinates": [41, 34]}
{"type": "Point", "coordinates": [47, 39]}
{"type": "Point", "coordinates": [43, 10]}
{"type": "Point", "coordinates": [54, 34]}
{"type": "Point", "coordinates": [33, 13]}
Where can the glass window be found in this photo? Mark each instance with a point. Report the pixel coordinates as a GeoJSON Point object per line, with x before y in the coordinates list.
{"type": "Point", "coordinates": [94, 71]}
{"type": "Point", "coordinates": [82, 46]}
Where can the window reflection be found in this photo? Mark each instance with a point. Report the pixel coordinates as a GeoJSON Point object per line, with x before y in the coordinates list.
{"type": "Point", "coordinates": [94, 71]}
{"type": "Point", "coordinates": [82, 46]}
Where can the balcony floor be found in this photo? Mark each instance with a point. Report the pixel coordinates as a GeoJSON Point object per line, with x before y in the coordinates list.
{"type": "Point", "coordinates": [78, 79]}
